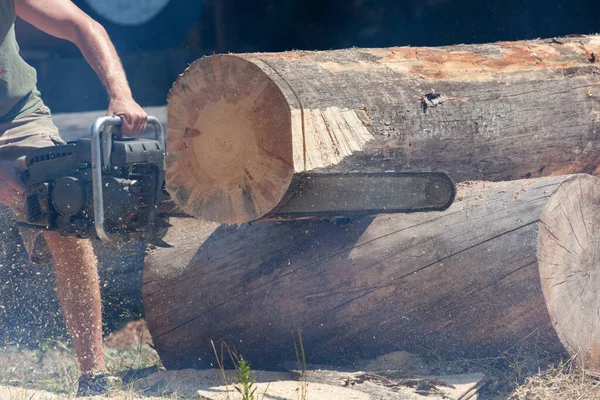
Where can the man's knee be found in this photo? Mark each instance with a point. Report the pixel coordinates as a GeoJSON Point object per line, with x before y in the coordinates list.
{"type": "Point", "coordinates": [11, 185]}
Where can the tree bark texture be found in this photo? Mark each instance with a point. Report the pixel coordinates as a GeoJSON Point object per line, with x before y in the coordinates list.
{"type": "Point", "coordinates": [506, 261]}
{"type": "Point", "coordinates": [242, 128]}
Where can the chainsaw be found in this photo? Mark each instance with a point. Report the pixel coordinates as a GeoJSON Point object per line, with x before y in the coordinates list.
{"type": "Point", "coordinates": [104, 186]}
{"type": "Point", "coordinates": [113, 188]}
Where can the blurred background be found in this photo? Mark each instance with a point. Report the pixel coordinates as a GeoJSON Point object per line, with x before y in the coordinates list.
{"type": "Point", "coordinates": [157, 39]}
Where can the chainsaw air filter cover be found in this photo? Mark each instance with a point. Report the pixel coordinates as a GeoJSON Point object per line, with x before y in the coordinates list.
{"type": "Point", "coordinates": [68, 196]}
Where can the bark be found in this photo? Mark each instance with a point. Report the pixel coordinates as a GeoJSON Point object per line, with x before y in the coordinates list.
{"type": "Point", "coordinates": [242, 128]}
{"type": "Point", "coordinates": [507, 261]}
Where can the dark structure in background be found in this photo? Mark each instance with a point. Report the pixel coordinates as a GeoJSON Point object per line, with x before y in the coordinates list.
{"type": "Point", "coordinates": [158, 43]}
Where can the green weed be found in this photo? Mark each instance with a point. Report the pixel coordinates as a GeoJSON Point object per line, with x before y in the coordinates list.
{"type": "Point", "coordinates": [246, 385]}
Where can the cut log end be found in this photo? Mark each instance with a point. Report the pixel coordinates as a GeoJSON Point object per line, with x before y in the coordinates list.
{"type": "Point", "coordinates": [229, 133]}
{"type": "Point", "coordinates": [568, 251]}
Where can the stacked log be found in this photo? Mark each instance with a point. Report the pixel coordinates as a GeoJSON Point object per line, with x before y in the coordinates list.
{"type": "Point", "coordinates": [244, 129]}
{"type": "Point", "coordinates": [506, 260]}
{"type": "Point", "coordinates": [510, 258]}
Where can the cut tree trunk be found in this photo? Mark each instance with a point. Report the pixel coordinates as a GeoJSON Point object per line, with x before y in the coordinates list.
{"type": "Point", "coordinates": [507, 261]}
{"type": "Point", "coordinates": [243, 128]}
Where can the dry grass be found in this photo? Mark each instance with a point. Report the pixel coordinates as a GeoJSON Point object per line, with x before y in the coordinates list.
{"type": "Point", "coordinates": [23, 373]}
{"type": "Point", "coordinates": [50, 367]}
{"type": "Point", "coordinates": [49, 372]}
{"type": "Point", "coordinates": [565, 381]}
{"type": "Point", "coordinates": [301, 359]}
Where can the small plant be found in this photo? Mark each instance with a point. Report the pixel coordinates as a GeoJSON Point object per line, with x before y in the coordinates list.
{"type": "Point", "coordinates": [245, 384]}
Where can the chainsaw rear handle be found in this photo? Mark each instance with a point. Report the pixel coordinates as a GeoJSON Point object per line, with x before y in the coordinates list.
{"type": "Point", "coordinates": [101, 138]}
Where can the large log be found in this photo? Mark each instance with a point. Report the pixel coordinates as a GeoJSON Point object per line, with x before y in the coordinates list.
{"type": "Point", "coordinates": [242, 128]}
{"type": "Point", "coordinates": [506, 261]}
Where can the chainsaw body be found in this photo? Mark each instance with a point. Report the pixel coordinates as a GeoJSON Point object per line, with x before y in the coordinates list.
{"type": "Point", "coordinates": [99, 187]}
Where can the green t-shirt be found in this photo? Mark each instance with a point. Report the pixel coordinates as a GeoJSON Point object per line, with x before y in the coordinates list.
{"type": "Point", "coordinates": [18, 93]}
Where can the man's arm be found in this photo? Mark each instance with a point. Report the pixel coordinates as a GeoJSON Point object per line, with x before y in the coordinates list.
{"type": "Point", "coordinates": [63, 19]}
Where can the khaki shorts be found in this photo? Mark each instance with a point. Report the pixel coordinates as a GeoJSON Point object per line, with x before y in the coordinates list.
{"type": "Point", "coordinates": [19, 137]}
{"type": "Point", "coordinates": [22, 135]}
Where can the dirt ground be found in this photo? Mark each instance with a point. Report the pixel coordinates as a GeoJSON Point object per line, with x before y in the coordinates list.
{"type": "Point", "coordinates": [49, 372]}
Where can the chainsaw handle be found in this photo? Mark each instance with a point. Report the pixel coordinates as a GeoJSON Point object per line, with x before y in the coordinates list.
{"type": "Point", "coordinates": [105, 124]}
{"type": "Point", "coordinates": [101, 146]}
{"type": "Point", "coordinates": [115, 120]}
{"type": "Point", "coordinates": [159, 133]}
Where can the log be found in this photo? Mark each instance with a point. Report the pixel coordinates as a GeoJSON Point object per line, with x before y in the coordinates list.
{"type": "Point", "coordinates": [507, 261]}
{"type": "Point", "coordinates": [243, 129]}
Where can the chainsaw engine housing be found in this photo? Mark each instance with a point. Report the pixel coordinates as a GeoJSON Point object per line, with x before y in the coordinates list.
{"type": "Point", "coordinates": [60, 196]}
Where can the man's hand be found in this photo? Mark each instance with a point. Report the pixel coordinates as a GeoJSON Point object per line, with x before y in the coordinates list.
{"type": "Point", "coordinates": [133, 117]}
{"type": "Point", "coordinates": [11, 187]}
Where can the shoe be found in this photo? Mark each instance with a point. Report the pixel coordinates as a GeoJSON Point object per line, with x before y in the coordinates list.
{"type": "Point", "coordinates": [92, 385]}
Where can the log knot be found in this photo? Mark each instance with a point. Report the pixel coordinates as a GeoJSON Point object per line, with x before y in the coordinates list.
{"type": "Point", "coordinates": [432, 99]}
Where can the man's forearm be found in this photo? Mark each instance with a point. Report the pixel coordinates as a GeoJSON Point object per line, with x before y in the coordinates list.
{"type": "Point", "coordinates": [95, 45]}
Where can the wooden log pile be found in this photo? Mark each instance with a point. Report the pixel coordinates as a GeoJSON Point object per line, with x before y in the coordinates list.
{"type": "Point", "coordinates": [515, 254]}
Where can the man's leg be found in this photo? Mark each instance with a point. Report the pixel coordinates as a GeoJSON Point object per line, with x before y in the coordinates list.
{"type": "Point", "coordinates": [78, 287]}
{"type": "Point", "coordinates": [75, 263]}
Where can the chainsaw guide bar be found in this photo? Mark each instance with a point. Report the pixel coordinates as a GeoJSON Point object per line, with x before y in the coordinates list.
{"type": "Point", "coordinates": [329, 195]}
